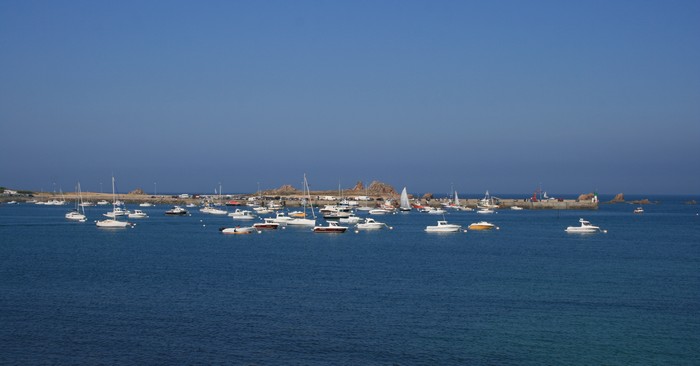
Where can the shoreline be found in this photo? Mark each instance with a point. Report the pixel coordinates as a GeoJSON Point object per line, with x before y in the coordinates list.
{"type": "Point", "coordinates": [294, 200]}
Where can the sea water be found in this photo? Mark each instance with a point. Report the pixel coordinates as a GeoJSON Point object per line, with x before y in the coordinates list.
{"type": "Point", "coordinates": [174, 290]}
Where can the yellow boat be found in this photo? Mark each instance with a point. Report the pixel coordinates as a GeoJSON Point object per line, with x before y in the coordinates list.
{"type": "Point", "coordinates": [482, 225]}
{"type": "Point", "coordinates": [297, 214]}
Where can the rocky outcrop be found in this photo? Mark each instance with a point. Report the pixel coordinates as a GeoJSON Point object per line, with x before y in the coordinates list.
{"type": "Point", "coordinates": [358, 187]}
{"type": "Point", "coordinates": [137, 191]}
{"type": "Point", "coordinates": [381, 188]}
{"type": "Point", "coordinates": [285, 189]}
{"type": "Point", "coordinates": [641, 202]}
{"type": "Point", "coordinates": [618, 198]}
{"type": "Point", "coordinates": [428, 196]}
{"type": "Point", "coordinates": [691, 202]}
{"type": "Point", "coordinates": [586, 197]}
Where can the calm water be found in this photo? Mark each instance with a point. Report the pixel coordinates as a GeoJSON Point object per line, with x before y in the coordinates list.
{"type": "Point", "coordinates": [173, 290]}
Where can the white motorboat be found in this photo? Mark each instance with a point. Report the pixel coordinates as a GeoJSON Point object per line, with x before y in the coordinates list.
{"type": "Point", "coordinates": [638, 210]}
{"type": "Point", "coordinates": [239, 214]}
{"type": "Point", "coordinates": [102, 203]}
{"type": "Point", "coordinates": [12, 202]}
{"type": "Point", "coordinates": [370, 224]}
{"type": "Point", "coordinates": [212, 210]}
{"type": "Point", "coordinates": [87, 204]}
{"type": "Point", "coordinates": [482, 225]}
{"type": "Point", "coordinates": [586, 227]}
{"type": "Point", "coordinates": [113, 222]}
{"type": "Point", "coordinates": [137, 214]}
{"type": "Point", "coordinates": [237, 230]}
{"type": "Point", "coordinates": [176, 211]}
{"type": "Point", "coordinates": [76, 216]}
{"type": "Point", "coordinates": [379, 211]}
{"type": "Point", "coordinates": [190, 205]}
{"type": "Point", "coordinates": [352, 219]}
{"type": "Point", "coordinates": [146, 204]}
{"type": "Point", "coordinates": [116, 211]}
{"type": "Point", "coordinates": [262, 210]}
{"type": "Point", "coordinates": [443, 227]}
{"type": "Point", "coordinates": [436, 211]}
{"type": "Point", "coordinates": [485, 211]}
{"type": "Point", "coordinates": [281, 218]}
{"type": "Point", "coordinates": [332, 227]}
{"type": "Point", "coordinates": [516, 208]}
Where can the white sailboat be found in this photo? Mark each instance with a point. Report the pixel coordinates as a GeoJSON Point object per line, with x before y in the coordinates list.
{"type": "Point", "coordinates": [306, 200]}
{"type": "Point", "coordinates": [76, 214]}
{"type": "Point", "coordinates": [404, 205]}
{"type": "Point", "coordinates": [112, 222]}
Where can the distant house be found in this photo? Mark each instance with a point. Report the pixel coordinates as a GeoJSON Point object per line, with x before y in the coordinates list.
{"type": "Point", "coordinates": [185, 195]}
{"type": "Point", "coordinates": [9, 192]}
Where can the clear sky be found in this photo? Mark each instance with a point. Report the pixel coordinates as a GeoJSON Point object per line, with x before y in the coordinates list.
{"type": "Point", "coordinates": [574, 96]}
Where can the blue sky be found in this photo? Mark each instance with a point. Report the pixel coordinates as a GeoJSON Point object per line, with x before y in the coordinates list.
{"type": "Point", "coordinates": [504, 96]}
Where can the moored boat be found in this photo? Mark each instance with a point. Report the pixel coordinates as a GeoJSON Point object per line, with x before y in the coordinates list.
{"type": "Point", "coordinates": [268, 224]}
{"type": "Point", "coordinates": [443, 227]}
{"type": "Point", "coordinates": [138, 214]}
{"type": "Point", "coordinates": [586, 227]}
{"type": "Point", "coordinates": [370, 224]}
{"type": "Point", "coordinates": [482, 225]}
{"type": "Point", "coordinates": [237, 230]}
{"type": "Point", "coordinates": [332, 227]}
{"type": "Point", "coordinates": [176, 211]}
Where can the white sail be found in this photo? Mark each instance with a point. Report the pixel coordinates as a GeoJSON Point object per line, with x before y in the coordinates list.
{"type": "Point", "coordinates": [405, 205]}
{"type": "Point", "coordinates": [456, 202]}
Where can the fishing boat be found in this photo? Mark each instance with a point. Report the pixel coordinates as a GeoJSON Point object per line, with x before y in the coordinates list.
{"type": "Point", "coordinates": [332, 227]}
{"type": "Point", "coordinates": [268, 224]}
{"type": "Point", "coordinates": [443, 227]}
{"type": "Point", "coordinates": [113, 222]}
{"type": "Point", "coordinates": [586, 227]}
{"type": "Point", "coordinates": [237, 230]}
{"type": "Point", "coordinates": [404, 204]}
{"type": "Point", "coordinates": [482, 225]}
{"type": "Point", "coordinates": [299, 221]}
{"type": "Point", "coordinates": [76, 214]}
{"type": "Point", "coordinates": [176, 211]}
{"type": "Point", "coordinates": [487, 202]}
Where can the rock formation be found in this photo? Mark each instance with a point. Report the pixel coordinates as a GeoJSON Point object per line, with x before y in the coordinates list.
{"type": "Point", "coordinates": [691, 202]}
{"type": "Point", "coordinates": [428, 196]}
{"type": "Point", "coordinates": [586, 197]}
{"type": "Point", "coordinates": [285, 189]}
{"type": "Point", "coordinates": [358, 187]}
{"type": "Point", "coordinates": [618, 198]}
{"type": "Point", "coordinates": [641, 202]}
{"type": "Point", "coordinates": [137, 191]}
{"type": "Point", "coordinates": [381, 188]}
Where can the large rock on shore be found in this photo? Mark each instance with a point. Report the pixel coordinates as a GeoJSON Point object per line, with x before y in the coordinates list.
{"type": "Point", "coordinates": [285, 189]}
{"type": "Point", "coordinates": [618, 198]}
{"type": "Point", "coordinates": [586, 197]}
{"type": "Point", "coordinates": [428, 196]}
{"type": "Point", "coordinates": [137, 191]}
{"type": "Point", "coordinates": [377, 187]}
{"type": "Point", "coordinates": [358, 187]}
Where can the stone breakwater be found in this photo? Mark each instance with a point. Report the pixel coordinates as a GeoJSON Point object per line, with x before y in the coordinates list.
{"type": "Point", "coordinates": [295, 201]}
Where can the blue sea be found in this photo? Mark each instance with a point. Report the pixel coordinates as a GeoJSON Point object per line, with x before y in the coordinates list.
{"type": "Point", "coordinates": [174, 290]}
